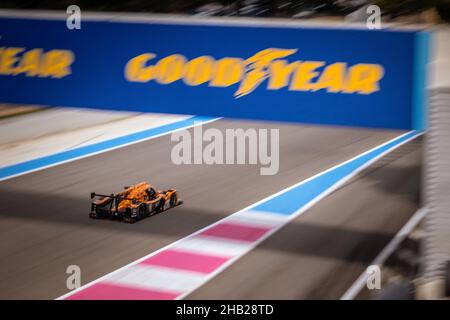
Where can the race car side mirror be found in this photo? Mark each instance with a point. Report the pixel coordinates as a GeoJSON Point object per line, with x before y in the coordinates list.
{"type": "Point", "coordinates": [92, 195]}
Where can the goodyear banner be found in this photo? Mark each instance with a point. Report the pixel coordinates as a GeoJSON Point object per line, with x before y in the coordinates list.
{"type": "Point", "coordinates": [321, 76]}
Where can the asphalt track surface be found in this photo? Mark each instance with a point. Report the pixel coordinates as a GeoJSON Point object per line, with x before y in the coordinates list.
{"type": "Point", "coordinates": [44, 224]}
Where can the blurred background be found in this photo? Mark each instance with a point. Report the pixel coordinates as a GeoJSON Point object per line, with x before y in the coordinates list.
{"type": "Point", "coordinates": [404, 11]}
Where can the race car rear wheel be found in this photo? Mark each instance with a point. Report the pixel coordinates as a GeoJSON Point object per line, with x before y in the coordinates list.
{"type": "Point", "coordinates": [129, 220]}
{"type": "Point", "coordinates": [160, 208]}
{"type": "Point", "coordinates": [173, 200]}
{"type": "Point", "coordinates": [141, 212]}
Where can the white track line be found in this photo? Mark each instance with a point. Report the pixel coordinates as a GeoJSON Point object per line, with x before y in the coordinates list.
{"type": "Point", "coordinates": [358, 285]}
{"type": "Point", "coordinates": [157, 278]}
{"type": "Point", "coordinates": [212, 246]}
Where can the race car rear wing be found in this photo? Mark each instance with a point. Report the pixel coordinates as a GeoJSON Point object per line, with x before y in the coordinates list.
{"type": "Point", "coordinates": [112, 196]}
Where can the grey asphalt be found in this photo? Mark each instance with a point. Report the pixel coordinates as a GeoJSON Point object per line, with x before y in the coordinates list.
{"type": "Point", "coordinates": [321, 253]}
{"type": "Point", "coordinates": [44, 224]}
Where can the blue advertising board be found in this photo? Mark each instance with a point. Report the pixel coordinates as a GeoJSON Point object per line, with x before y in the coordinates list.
{"type": "Point", "coordinates": [351, 77]}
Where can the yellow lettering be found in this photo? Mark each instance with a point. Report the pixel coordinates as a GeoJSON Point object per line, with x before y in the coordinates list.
{"type": "Point", "coordinates": [363, 78]}
{"type": "Point", "coordinates": [136, 71]}
{"type": "Point", "coordinates": [332, 78]}
{"type": "Point", "coordinates": [198, 70]}
{"type": "Point", "coordinates": [249, 74]}
{"type": "Point", "coordinates": [170, 69]}
{"type": "Point", "coordinates": [30, 63]}
{"type": "Point", "coordinates": [258, 71]}
{"type": "Point", "coordinates": [228, 71]}
{"type": "Point", "coordinates": [280, 73]}
{"type": "Point", "coordinates": [304, 74]}
{"type": "Point", "coordinates": [8, 59]}
{"type": "Point", "coordinates": [57, 63]}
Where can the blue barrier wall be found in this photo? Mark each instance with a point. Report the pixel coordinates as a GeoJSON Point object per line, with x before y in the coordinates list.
{"type": "Point", "coordinates": [325, 76]}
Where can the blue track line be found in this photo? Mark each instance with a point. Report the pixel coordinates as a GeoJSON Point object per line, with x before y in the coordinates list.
{"type": "Point", "coordinates": [65, 156]}
{"type": "Point", "coordinates": [289, 202]}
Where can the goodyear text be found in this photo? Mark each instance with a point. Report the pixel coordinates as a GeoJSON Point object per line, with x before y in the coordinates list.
{"type": "Point", "coordinates": [248, 74]}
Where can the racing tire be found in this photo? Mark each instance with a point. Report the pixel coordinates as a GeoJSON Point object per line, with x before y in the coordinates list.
{"type": "Point", "coordinates": [129, 220]}
{"type": "Point", "coordinates": [160, 206]}
{"type": "Point", "coordinates": [173, 200]}
{"type": "Point", "coordinates": [141, 212]}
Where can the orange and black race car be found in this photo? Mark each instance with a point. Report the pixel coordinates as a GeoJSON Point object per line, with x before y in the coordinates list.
{"type": "Point", "coordinates": [134, 203]}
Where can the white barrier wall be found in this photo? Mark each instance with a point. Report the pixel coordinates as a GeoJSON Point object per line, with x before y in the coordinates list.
{"type": "Point", "coordinates": [437, 160]}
